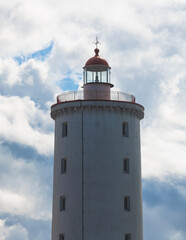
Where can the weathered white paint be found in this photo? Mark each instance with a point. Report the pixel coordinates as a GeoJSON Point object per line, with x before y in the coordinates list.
{"type": "Point", "coordinates": [94, 184]}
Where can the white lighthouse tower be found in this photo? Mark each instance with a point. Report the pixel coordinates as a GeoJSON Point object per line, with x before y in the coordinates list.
{"type": "Point", "coordinates": [97, 162]}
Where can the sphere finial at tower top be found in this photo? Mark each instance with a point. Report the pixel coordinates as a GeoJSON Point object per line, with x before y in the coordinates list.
{"type": "Point", "coordinates": [96, 52]}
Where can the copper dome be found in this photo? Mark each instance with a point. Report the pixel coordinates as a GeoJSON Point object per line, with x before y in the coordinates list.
{"type": "Point", "coordinates": [97, 60]}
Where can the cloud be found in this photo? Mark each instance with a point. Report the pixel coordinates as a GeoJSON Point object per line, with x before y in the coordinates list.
{"type": "Point", "coordinates": [15, 203]}
{"type": "Point", "coordinates": [12, 232]}
{"type": "Point", "coordinates": [31, 78]}
{"type": "Point", "coordinates": [25, 186]}
{"type": "Point", "coordinates": [157, 225]}
{"type": "Point", "coordinates": [144, 42]}
{"type": "Point", "coordinates": [164, 209]}
{"type": "Point", "coordinates": [176, 235]}
{"type": "Point", "coordinates": [24, 123]}
{"type": "Point", "coordinates": [163, 138]}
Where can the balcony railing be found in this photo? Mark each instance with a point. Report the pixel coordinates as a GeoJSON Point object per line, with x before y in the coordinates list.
{"type": "Point", "coordinates": [95, 95]}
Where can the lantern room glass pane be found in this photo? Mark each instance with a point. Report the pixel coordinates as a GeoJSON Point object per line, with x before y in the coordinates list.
{"type": "Point", "coordinates": [104, 77]}
{"type": "Point", "coordinates": [89, 77]}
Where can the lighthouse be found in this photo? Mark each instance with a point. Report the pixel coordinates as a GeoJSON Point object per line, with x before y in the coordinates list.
{"type": "Point", "coordinates": [97, 192]}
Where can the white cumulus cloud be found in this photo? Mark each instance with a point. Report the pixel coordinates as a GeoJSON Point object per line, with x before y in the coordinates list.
{"type": "Point", "coordinates": [12, 232]}
{"type": "Point", "coordinates": [23, 190]}
{"type": "Point", "coordinates": [19, 119]}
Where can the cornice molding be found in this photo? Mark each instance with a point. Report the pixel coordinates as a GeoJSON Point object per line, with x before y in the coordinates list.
{"type": "Point", "coordinates": [130, 109]}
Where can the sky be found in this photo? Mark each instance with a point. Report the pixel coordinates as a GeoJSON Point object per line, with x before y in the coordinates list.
{"type": "Point", "coordinates": [43, 46]}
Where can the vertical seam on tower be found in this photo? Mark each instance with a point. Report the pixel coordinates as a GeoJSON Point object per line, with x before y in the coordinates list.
{"type": "Point", "coordinates": [82, 122]}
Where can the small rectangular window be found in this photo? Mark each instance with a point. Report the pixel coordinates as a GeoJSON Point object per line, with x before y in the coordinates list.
{"type": "Point", "coordinates": [126, 165]}
{"type": "Point", "coordinates": [128, 236]}
{"type": "Point", "coordinates": [127, 203]}
{"type": "Point", "coordinates": [61, 237]}
{"type": "Point", "coordinates": [64, 129]}
{"type": "Point", "coordinates": [125, 129]}
{"type": "Point", "coordinates": [62, 203]}
{"type": "Point", "coordinates": [63, 165]}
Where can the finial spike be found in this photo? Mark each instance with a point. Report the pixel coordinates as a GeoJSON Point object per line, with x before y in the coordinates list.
{"type": "Point", "coordinates": [96, 42]}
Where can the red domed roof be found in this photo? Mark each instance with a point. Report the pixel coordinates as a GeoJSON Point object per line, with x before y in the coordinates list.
{"type": "Point", "coordinates": [96, 60]}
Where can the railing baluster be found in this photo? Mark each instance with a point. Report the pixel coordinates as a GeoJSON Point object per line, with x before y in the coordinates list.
{"type": "Point", "coordinates": [95, 94]}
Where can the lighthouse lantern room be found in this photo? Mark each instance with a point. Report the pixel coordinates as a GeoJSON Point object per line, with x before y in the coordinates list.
{"type": "Point", "coordinates": [96, 78]}
{"type": "Point", "coordinates": [96, 70]}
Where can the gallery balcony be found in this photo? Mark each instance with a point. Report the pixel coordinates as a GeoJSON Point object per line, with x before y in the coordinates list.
{"type": "Point", "coordinates": [95, 95]}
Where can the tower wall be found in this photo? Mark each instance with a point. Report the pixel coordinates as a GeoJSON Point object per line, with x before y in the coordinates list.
{"type": "Point", "coordinates": [99, 91]}
{"type": "Point", "coordinates": [94, 183]}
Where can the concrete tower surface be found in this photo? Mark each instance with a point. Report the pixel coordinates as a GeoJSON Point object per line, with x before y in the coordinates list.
{"type": "Point", "coordinates": [97, 191]}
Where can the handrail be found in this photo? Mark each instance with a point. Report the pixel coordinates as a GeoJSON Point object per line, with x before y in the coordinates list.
{"type": "Point", "coordinates": [95, 95]}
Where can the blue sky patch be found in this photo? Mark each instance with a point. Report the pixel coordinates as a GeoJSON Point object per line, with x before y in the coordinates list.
{"type": "Point", "coordinates": [26, 152]}
{"type": "Point", "coordinates": [68, 84]}
{"type": "Point", "coordinates": [40, 55]}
